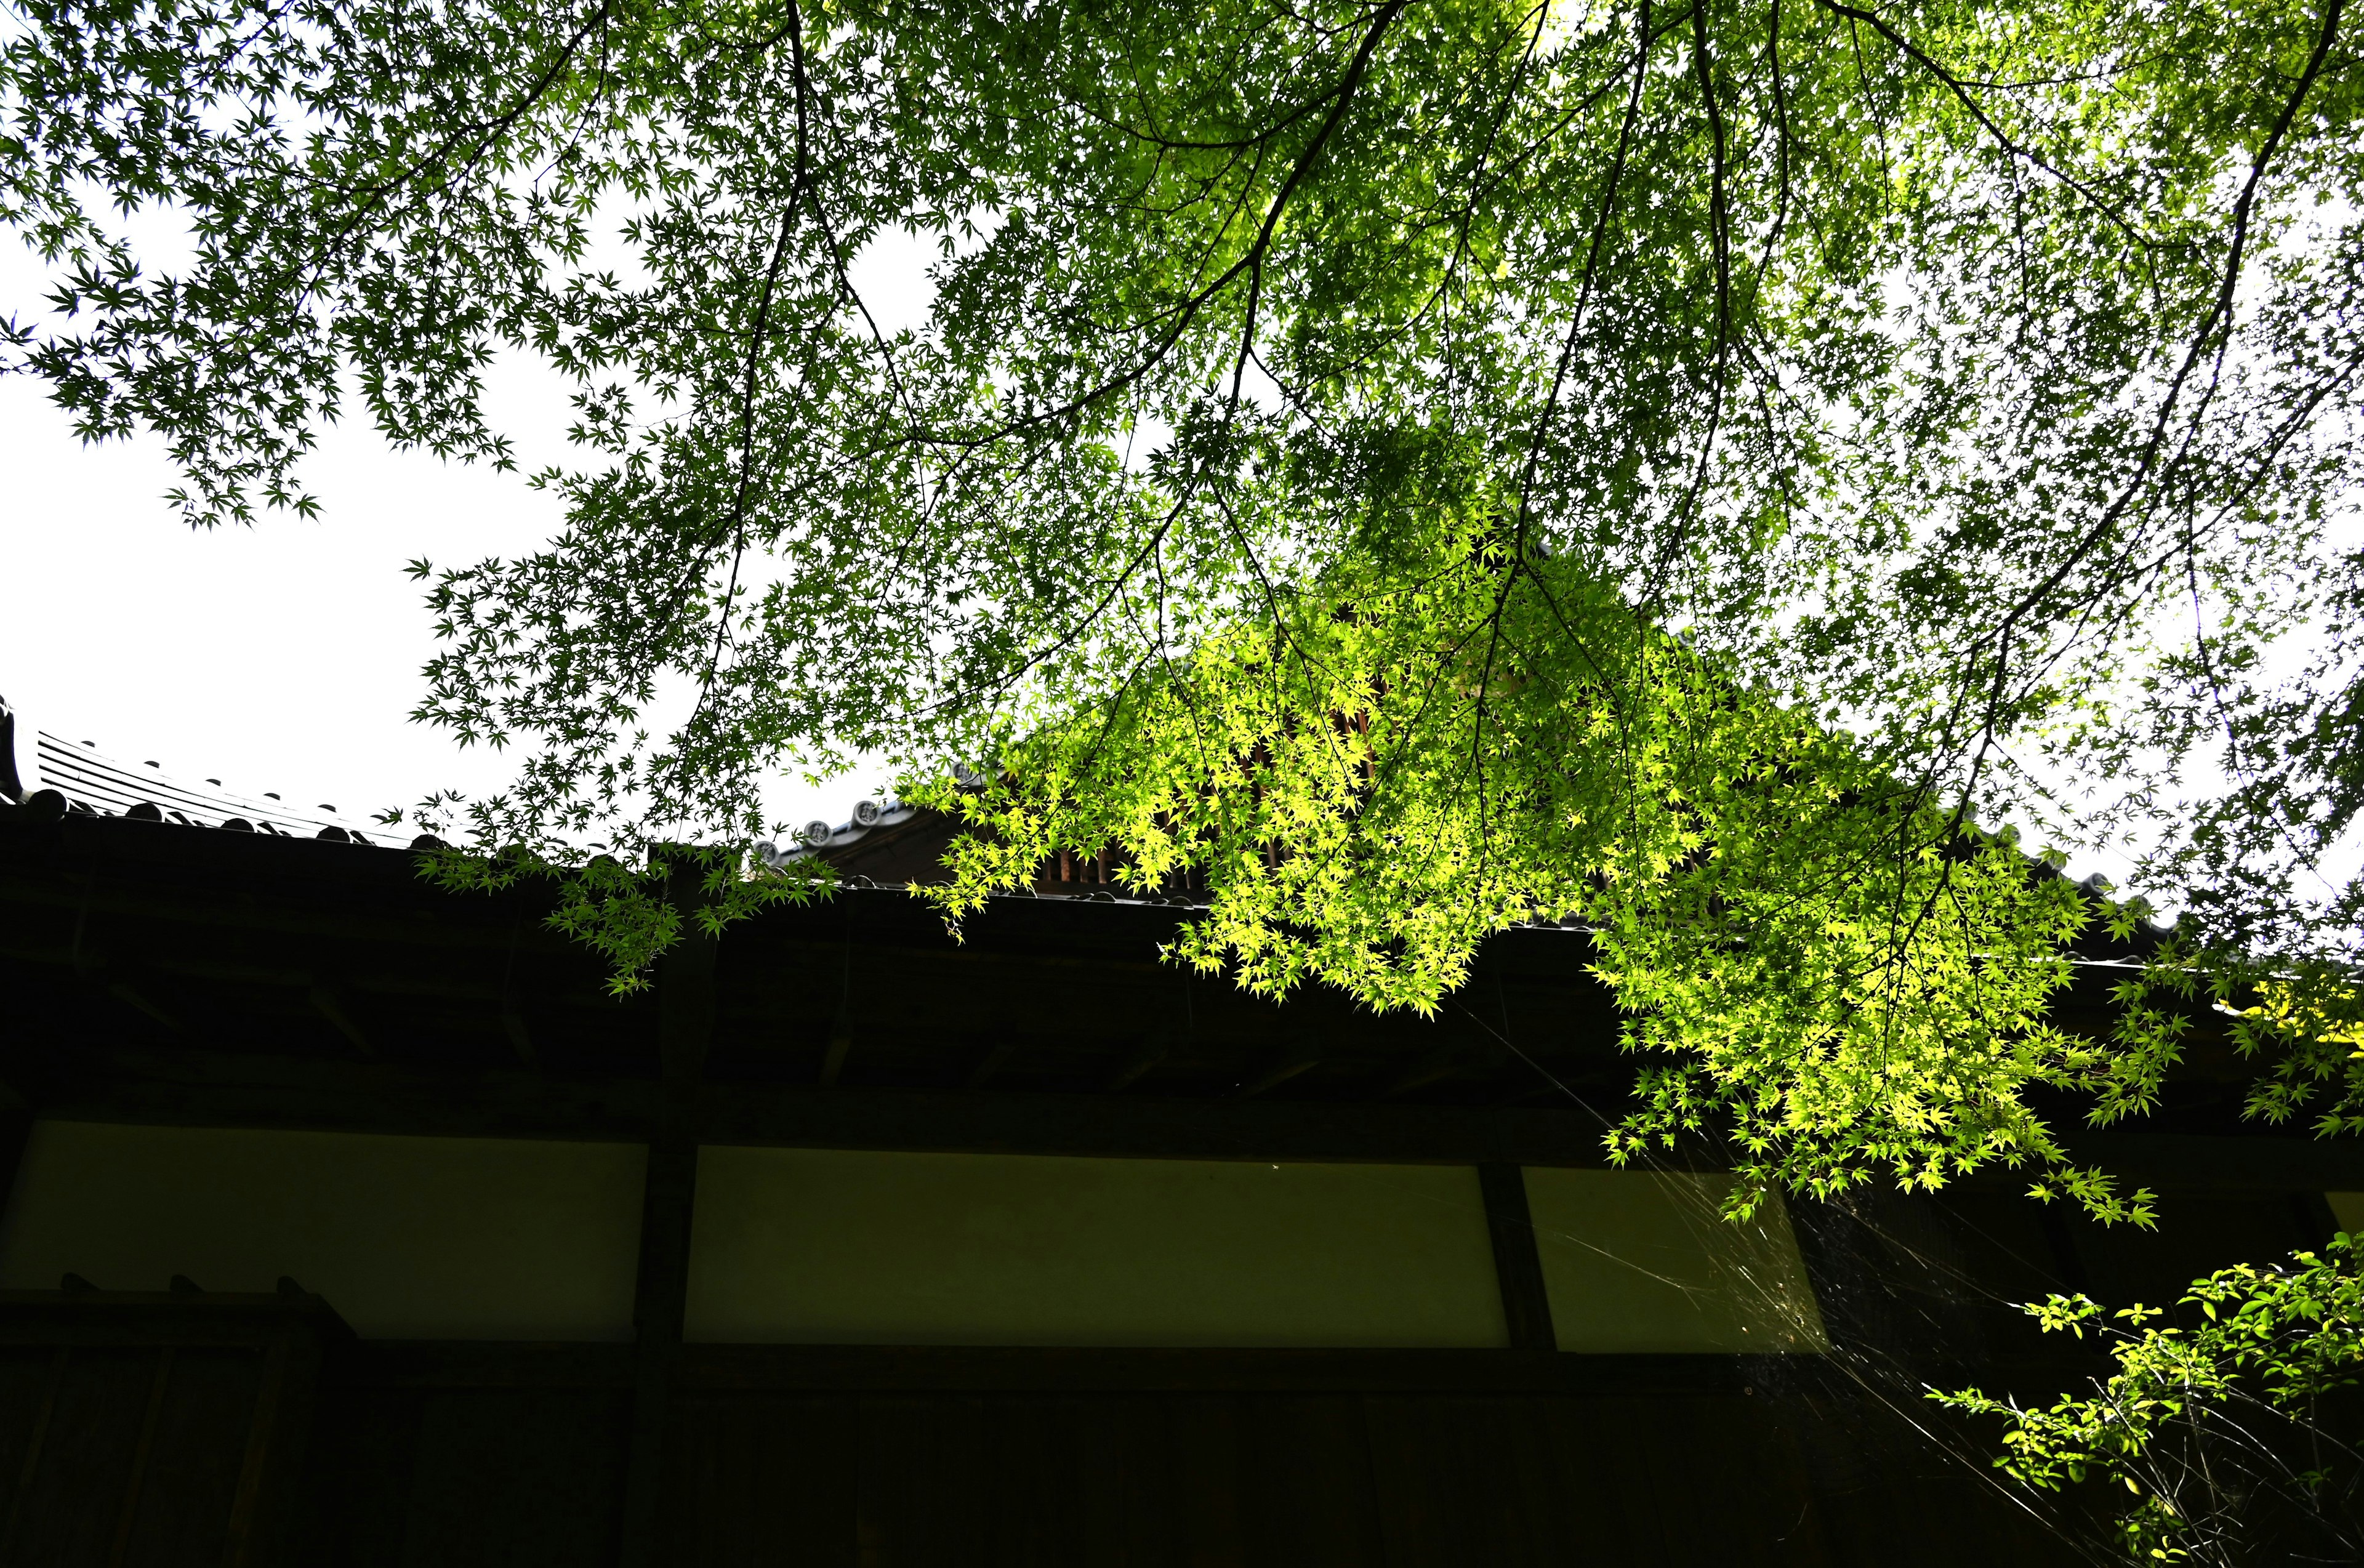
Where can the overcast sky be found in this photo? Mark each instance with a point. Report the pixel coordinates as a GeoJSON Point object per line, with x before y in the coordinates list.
{"type": "Point", "coordinates": [285, 656]}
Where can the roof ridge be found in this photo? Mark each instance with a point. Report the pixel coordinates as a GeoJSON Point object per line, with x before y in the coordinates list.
{"type": "Point", "coordinates": [93, 782]}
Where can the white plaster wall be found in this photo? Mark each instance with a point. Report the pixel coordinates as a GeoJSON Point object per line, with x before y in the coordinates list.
{"type": "Point", "coordinates": [409, 1238]}
{"type": "Point", "coordinates": [838, 1246]}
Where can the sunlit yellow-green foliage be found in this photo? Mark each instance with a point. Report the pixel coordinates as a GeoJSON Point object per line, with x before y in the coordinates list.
{"type": "Point", "coordinates": [2192, 1421]}
{"type": "Point", "coordinates": [2307, 1027]}
{"type": "Point", "coordinates": [1816, 959]}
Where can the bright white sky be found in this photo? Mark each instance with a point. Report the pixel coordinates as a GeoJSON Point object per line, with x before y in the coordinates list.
{"type": "Point", "coordinates": [285, 657]}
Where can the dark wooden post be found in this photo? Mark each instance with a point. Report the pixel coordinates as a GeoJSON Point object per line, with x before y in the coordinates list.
{"type": "Point", "coordinates": [685, 1028]}
{"type": "Point", "coordinates": [1518, 1267]}
{"type": "Point", "coordinates": [16, 1130]}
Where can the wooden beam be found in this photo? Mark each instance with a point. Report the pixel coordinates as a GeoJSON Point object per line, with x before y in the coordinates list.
{"type": "Point", "coordinates": [520, 1038]}
{"type": "Point", "coordinates": [721, 1369]}
{"type": "Point", "coordinates": [993, 1059]}
{"type": "Point", "coordinates": [330, 1000]}
{"type": "Point", "coordinates": [303, 921]}
{"type": "Point", "coordinates": [1518, 1267]}
{"type": "Point", "coordinates": [140, 1001]}
{"type": "Point", "coordinates": [1280, 1067]}
{"type": "Point", "coordinates": [1154, 1048]}
{"type": "Point", "coordinates": [2183, 1162]}
{"type": "Point", "coordinates": [840, 1045]}
{"type": "Point", "coordinates": [177, 1086]}
{"type": "Point", "coordinates": [841, 1023]}
{"type": "Point", "coordinates": [133, 986]}
{"type": "Point", "coordinates": [440, 986]}
{"type": "Point", "coordinates": [16, 1112]}
{"type": "Point", "coordinates": [182, 1087]}
{"type": "Point", "coordinates": [348, 897]}
{"type": "Point", "coordinates": [1442, 1062]}
{"type": "Point", "coordinates": [110, 1081]}
{"type": "Point", "coordinates": [661, 1293]}
{"type": "Point", "coordinates": [761, 1369]}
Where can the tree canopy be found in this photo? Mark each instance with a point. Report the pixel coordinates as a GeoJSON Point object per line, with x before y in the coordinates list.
{"type": "Point", "coordinates": [1424, 464]}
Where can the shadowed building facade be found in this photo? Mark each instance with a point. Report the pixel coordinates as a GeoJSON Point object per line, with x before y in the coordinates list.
{"type": "Point", "coordinates": [350, 1222]}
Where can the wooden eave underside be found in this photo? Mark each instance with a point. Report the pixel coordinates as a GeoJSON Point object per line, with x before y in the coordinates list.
{"type": "Point", "coordinates": [120, 934]}
{"type": "Point", "coordinates": [159, 973]}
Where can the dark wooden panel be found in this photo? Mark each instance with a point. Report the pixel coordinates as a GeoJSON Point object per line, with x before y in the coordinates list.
{"type": "Point", "coordinates": [1409, 1478]}
{"type": "Point", "coordinates": [71, 1494]}
{"type": "Point", "coordinates": [2174, 1163]}
{"type": "Point", "coordinates": [201, 1088]}
{"type": "Point", "coordinates": [920, 1498]}
{"type": "Point", "coordinates": [15, 1126]}
{"type": "Point", "coordinates": [1740, 1499]}
{"type": "Point", "coordinates": [1883, 1464]}
{"type": "Point", "coordinates": [1624, 1499]}
{"type": "Point", "coordinates": [1518, 1267]}
{"type": "Point", "coordinates": [1307, 1498]}
{"type": "Point", "coordinates": [763, 1484]}
{"type": "Point", "coordinates": [1139, 1124]}
{"type": "Point", "coordinates": [1879, 1481]}
{"type": "Point", "coordinates": [131, 1455]}
{"type": "Point", "coordinates": [194, 1087]}
{"type": "Point", "coordinates": [380, 1364]}
{"type": "Point", "coordinates": [29, 1382]}
{"type": "Point", "coordinates": [1106, 1481]}
{"type": "Point", "coordinates": [1206, 1445]}
{"type": "Point", "coordinates": [211, 1088]}
{"type": "Point", "coordinates": [165, 1429]}
{"type": "Point", "coordinates": [469, 1454]}
{"type": "Point", "coordinates": [1036, 1508]}
{"type": "Point", "coordinates": [358, 1481]}
{"type": "Point", "coordinates": [709, 1370]}
{"type": "Point", "coordinates": [516, 1480]}
{"type": "Point", "coordinates": [1135, 1505]}
{"type": "Point", "coordinates": [661, 1290]}
{"type": "Point", "coordinates": [2197, 1233]}
{"type": "Point", "coordinates": [1070, 1369]}
{"type": "Point", "coordinates": [192, 1474]}
{"type": "Point", "coordinates": [1475, 1483]}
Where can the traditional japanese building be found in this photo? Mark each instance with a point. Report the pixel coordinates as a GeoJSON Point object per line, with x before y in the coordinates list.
{"type": "Point", "coordinates": [353, 1222]}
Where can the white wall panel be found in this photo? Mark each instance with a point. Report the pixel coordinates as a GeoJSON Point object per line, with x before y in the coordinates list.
{"type": "Point", "coordinates": [409, 1238]}
{"type": "Point", "coordinates": [1639, 1261]}
{"type": "Point", "coordinates": [834, 1246]}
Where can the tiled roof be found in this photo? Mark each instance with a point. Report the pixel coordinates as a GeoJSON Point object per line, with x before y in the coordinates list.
{"type": "Point", "coordinates": [818, 837]}
{"type": "Point", "coordinates": [883, 842]}
{"type": "Point", "coordinates": [83, 780]}
{"type": "Point", "coordinates": [87, 780]}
